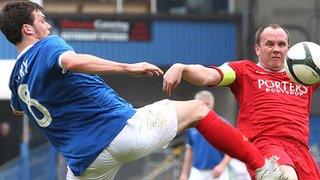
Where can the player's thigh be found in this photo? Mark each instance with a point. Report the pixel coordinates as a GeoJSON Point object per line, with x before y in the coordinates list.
{"type": "Point", "coordinates": [305, 164]}
{"type": "Point", "coordinates": [270, 147]}
{"type": "Point", "coordinates": [152, 127]}
{"type": "Point", "coordinates": [104, 167]}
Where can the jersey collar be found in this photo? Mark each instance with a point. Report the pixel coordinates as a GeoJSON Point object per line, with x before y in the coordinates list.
{"type": "Point", "coordinates": [25, 49]}
{"type": "Point", "coordinates": [279, 71]}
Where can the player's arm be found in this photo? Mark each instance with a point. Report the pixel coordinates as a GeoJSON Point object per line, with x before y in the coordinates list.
{"type": "Point", "coordinates": [198, 75]}
{"type": "Point", "coordinates": [218, 169]}
{"type": "Point", "coordinates": [194, 74]}
{"type": "Point", "coordinates": [86, 63]}
{"type": "Point", "coordinates": [187, 164]}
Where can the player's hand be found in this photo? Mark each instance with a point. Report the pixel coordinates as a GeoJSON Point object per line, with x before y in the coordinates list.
{"type": "Point", "coordinates": [217, 171]}
{"type": "Point", "coordinates": [183, 177]}
{"type": "Point", "coordinates": [172, 78]}
{"type": "Point", "coordinates": [144, 69]}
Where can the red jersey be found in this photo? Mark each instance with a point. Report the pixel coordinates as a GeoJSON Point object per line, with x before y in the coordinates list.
{"type": "Point", "coordinates": [270, 104]}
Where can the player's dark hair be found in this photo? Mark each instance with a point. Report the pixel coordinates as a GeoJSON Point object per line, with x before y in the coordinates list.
{"type": "Point", "coordinates": [14, 15]}
{"type": "Point", "coordinates": [262, 28]}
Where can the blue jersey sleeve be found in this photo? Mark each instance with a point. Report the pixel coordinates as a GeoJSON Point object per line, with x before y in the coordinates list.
{"type": "Point", "coordinates": [53, 48]}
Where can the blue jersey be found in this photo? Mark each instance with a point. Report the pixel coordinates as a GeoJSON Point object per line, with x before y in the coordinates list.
{"type": "Point", "coordinates": [78, 113]}
{"type": "Point", "coordinates": [204, 155]}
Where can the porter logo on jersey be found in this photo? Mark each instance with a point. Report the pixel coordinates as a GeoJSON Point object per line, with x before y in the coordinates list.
{"type": "Point", "coordinates": [284, 87]}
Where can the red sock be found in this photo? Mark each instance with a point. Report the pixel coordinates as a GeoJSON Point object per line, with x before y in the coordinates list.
{"type": "Point", "coordinates": [229, 140]}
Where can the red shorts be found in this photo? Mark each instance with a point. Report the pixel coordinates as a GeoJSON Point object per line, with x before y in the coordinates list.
{"type": "Point", "coordinates": [290, 153]}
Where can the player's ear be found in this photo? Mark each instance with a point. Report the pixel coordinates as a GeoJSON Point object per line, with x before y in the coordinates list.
{"type": "Point", "coordinates": [256, 48]}
{"type": "Point", "coordinates": [27, 29]}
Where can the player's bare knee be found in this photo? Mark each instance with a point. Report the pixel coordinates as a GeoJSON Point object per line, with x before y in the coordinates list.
{"type": "Point", "coordinates": [189, 113]}
{"type": "Point", "coordinates": [200, 109]}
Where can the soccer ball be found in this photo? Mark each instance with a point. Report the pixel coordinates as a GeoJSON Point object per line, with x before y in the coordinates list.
{"type": "Point", "coordinates": [302, 63]}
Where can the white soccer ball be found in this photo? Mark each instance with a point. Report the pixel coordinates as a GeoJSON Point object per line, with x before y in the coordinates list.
{"type": "Point", "coordinates": [302, 63]}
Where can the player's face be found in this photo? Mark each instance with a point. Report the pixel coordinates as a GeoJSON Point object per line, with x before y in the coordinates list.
{"type": "Point", "coordinates": [272, 49]}
{"type": "Point", "coordinates": [40, 25]}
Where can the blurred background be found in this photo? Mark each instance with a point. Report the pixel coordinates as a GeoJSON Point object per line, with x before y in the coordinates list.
{"type": "Point", "coordinates": [207, 32]}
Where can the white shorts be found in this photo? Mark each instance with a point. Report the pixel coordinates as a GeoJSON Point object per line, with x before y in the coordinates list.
{"type": "Point", "coordinates": [196, 174]}
{"type": "Point", "coordinates": [152, 127]}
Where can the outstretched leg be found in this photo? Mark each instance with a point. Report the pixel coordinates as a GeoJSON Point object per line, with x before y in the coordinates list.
{"type": "Point", "coordinates": [220, 134]}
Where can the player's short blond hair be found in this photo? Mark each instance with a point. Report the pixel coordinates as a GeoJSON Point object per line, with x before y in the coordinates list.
{"type": "Point", "coordinates": [206, 96]}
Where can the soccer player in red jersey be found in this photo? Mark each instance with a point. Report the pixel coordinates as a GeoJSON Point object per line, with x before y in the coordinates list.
{"type": "Point", "coordinates": [274, 112]}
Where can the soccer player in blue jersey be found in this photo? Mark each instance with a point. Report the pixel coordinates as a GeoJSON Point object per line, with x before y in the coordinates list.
{"type": "Point", "coordinates": [88, 122]}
